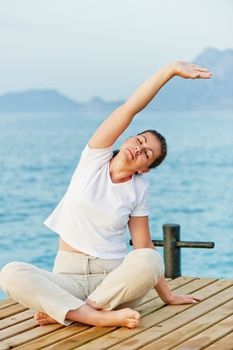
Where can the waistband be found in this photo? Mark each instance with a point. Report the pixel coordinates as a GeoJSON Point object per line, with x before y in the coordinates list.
{"type": "Point", "coordinates": [81, 264]}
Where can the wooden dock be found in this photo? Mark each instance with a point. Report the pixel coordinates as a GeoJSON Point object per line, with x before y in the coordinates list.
{"type": "Point", "coordinates": [205, 325]}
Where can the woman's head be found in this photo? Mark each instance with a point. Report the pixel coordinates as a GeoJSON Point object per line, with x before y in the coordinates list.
{"type": "Point", "coordinates": [144, 151]}
{"type": "Point", "coordinates": [163, 147]}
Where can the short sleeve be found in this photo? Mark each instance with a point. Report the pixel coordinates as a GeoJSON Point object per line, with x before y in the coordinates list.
{"type": "Point", "coordinates": [96, 155]}
{"type": "Point", "coordinates": [142, 205]}
{"type": "Point", "coordinates": [91, 160]}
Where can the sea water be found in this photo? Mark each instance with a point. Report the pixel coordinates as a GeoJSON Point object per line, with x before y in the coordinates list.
{"type": "Point", "coordinates": [193, 187]}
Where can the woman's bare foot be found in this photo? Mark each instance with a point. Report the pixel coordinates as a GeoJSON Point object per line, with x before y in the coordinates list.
{"type": "Point", "coordinates": [123, 317]}
{"type": "Point", "coordinates": [42, 319]}
{"type": "Point", "coordinates": [132, 317]}
{"type": "Point", "coordinates": [102, 318]}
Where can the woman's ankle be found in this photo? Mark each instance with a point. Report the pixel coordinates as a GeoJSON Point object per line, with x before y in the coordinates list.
{"type": "Point", "coordinates": [84, 314]}
{"type": "Point", "coordinates": [93, 304]}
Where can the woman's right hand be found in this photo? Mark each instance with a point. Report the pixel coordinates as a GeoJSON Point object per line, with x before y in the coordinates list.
{"type": "Point", "coordinates": [182, 299]}
{"type": "Point", "coordinates": [189, 70]}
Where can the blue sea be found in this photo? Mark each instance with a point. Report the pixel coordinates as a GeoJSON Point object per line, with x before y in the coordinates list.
{"type": "Point", "coordinates": [193, 187]}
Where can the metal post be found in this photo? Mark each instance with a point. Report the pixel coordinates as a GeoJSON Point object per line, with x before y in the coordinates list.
{"type": "Point", "coordinates": [172, 248]}
{"type": "Point", "coordinates": [172, 256]}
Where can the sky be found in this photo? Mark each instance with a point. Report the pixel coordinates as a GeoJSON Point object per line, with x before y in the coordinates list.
{"type": "Point", "coordinates": [106, 48]}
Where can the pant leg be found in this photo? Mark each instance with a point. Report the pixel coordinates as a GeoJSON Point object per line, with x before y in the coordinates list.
{"type": "Point", "coordinates": [139, 272]}
{"type": "Point", "coordinates": [40, 290]}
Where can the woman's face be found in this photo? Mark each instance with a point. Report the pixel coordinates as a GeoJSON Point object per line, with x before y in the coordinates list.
{"type": "Point", "coordinates": [140, 151]}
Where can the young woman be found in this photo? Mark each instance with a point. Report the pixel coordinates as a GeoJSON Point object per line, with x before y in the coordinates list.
{"type": "Point", "coordinates": [94, 280]}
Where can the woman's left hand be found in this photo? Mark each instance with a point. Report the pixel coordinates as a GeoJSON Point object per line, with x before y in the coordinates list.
{"type": "Point", "coordinates": [183, 299]}
{"type": "Point", "coordinates": [192, 71]}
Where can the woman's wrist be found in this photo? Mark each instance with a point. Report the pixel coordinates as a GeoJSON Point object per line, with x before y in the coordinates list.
{"type": "Point", "coordinates": [167, 72]}
{"type": "Point", "coordinates": [168, 298]}
{"type": "Point", "coordinates": [171, 68]}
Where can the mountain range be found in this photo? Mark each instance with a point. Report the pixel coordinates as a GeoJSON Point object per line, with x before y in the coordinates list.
{"type": "Point", "coordinates": [178, 94]}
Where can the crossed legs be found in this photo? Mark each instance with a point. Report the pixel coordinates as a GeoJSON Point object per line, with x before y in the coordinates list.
{"type": "Point", "coordinates": [138, 273]}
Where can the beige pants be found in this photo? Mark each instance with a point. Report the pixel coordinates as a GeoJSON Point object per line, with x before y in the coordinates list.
{"type": "Point", "coordinates": [110, 283]}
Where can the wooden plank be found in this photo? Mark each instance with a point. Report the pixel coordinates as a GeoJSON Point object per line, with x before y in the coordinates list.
{"type": "Point", "coordinates": [11, 310]}
{"type": "Point", "coordinates": [133, 339]}
{"type": "Point", "coordinates": [34, 333]}
{"type": "Point", "coordinates": [164, 328]}
{"type": "Point", "coordinates": [7, 302]}
{"type": "Point", "coordinates": [187, 331]}
{"type": "Point", "coordinates": [54, 337]}
{"type": "Point", "coordinates": [20, 317]}
{"type": "Point", "coordinates": [209, 336]}
{"type": "Point", "coordinates": [81, 338]}
{"type": "Point", "coordinates": [62, 333]}
{"type": "Point", "coordinates": [222, 344]}
{"type": "Point", "coordinates": [17, 328]}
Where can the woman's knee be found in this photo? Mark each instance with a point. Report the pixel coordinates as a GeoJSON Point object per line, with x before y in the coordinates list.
{"type": "Point", "coordinates": [10, 274]}
{"type": "Point", "coordinates": [147, 261]}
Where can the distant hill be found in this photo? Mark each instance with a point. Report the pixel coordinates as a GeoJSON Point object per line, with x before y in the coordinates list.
{"type": "Point", "coordinates": [178, 94]}
{"type": "Point", "coordinates": [37, 101]}
{"type": "Point", "coordinates": [50, 101]}
{"type": "Point", "coordinates": [98, 104]}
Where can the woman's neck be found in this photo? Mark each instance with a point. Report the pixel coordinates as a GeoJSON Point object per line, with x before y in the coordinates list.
{"type": "Point", "coordinates": [118, 173]}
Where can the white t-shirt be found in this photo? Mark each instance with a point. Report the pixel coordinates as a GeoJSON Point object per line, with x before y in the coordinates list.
{"type": "Point", "coordinates": [93, 214]}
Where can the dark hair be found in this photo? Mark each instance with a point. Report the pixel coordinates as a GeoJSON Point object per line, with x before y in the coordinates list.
{"type": "Point", "coordinates": [163, 147]}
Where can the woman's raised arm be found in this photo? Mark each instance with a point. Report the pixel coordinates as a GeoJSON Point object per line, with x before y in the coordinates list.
{"type": "Point", "coordinates": [109, 131]}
